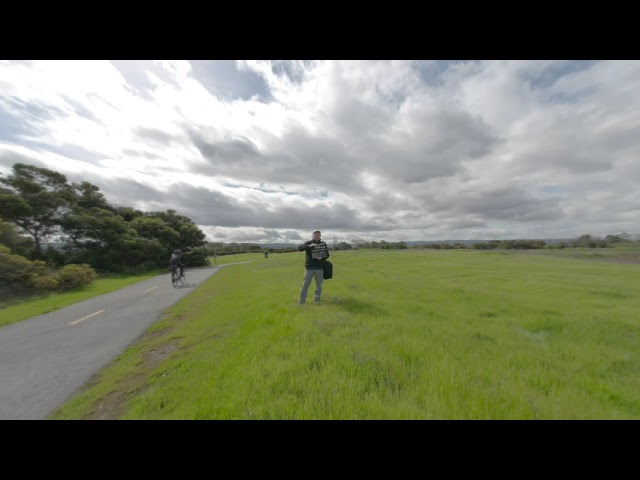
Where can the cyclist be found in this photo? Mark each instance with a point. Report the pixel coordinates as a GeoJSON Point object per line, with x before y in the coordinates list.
{"type": "Point", "coordinates": [176, 261]}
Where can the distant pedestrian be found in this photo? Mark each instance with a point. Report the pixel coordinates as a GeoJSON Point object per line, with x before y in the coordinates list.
{"type": "Point", "coordinates": [317, 252]}
{"type": "Point", "coordinates": [266, 254]}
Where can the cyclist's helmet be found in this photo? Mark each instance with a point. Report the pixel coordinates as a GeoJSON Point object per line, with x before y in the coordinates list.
{"type": "Point", "coordinates": [177, 251]}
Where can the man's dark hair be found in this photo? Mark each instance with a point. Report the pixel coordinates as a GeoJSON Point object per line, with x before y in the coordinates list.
{"type": "Point", "coordinates": [317, 231]}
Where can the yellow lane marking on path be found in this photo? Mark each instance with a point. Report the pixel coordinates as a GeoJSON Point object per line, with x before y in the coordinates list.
{"type": "Point", "coordinates": [84, 318]}
{"type": "Point", "coordinates": [149, 289]}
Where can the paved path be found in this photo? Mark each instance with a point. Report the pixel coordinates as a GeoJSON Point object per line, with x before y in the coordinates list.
{"type": "Point", "coordinates": [46, 359]}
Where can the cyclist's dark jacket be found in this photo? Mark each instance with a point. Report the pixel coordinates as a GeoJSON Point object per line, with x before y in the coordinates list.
{"type": "Point", "coordinates": [175, 259]}
{"type": "Point", "coordinates": [315, 257]}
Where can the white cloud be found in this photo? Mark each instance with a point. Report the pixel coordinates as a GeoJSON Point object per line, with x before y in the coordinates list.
{"type": "Point", "coordinates": [267, 151]}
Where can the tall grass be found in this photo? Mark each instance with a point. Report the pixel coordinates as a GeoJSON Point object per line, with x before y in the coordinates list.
{"type": "Point", "coordinates": [399, 335]}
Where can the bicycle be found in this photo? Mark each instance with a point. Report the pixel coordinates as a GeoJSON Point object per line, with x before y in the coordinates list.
{"type": "Point", "coordinates": [177, 275]}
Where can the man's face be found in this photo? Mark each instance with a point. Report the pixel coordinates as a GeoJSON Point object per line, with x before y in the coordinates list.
{"type": "Point", "coordinates": [316, 237]}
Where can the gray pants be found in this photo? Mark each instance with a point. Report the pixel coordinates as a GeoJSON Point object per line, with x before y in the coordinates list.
{"type": "Point", "coordinates": [308, 276]}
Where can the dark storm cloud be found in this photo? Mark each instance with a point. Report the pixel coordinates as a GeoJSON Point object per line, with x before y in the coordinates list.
{"type": "Point", "coordinates": [437, 148]}
{"type": "Point", "coordinates": [125, 192]}
{"type": "Point", "coordinates": [569, 151]}
{"type": "Point", "coordinates": [297, 157]}
{"type": "Point", "coordinates": [225, 153]}
{"type": "Point", "coordinates": [385, 200]}
{"type": "Point", "coordinates": [508, 203]}
{"type": "Point", "coordinates": [213, 208]}
{"type": "Point", "coordinates": [465, 223]}
{"type": "Point", "coordinates": [154, 135]}
{"type": "Point", "coordinates": [8, 159]}
{"type": "Point", "coordinates": [317, 160]}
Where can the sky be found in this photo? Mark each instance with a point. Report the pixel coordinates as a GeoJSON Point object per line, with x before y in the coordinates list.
{"type": "Point", "coordinates": [394, 150]}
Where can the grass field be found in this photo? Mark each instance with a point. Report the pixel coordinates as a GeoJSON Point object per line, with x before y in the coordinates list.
{"type": "Point", "coordinates": [408, 334]}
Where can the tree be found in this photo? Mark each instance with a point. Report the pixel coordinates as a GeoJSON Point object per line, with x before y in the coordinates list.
{"type": "Point", "coordinates": [190, 234]}
{"type": "Point", "coordinates": [197, 257]}
{"type": "Point", "coordinates": [358, 243]}
{"type": "Point", "coordinates": [150, 227]}
{"type": "Point", "coordinates": [613, 239]}
{"type": "Point", "coordinates": [40, 202]}
{"type": "Point", "coordinates": [584, 241]}
{"type": "Point", "coordinates": [130, 253]}
{"type": "Point", "coordinates": [343, 246]}
{"type": "Point", "coordinates": [89, 196]}
{"type": "Point", "coordinates": [93, 230]}
{"type": "Point", "coordinates": [18, 244]}
{"type": "Point", "coordinates": [34, 199]}
{"type": "Point", "coordinates": [128, 213]}
{"type": "Point", "coordinates": [215, 247]}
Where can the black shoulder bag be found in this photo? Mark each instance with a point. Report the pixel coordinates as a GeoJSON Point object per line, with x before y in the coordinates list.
{"type": "Point", "coordinates": [327, 270]}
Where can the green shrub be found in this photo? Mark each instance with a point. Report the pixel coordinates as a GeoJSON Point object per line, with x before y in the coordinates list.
{"type": "Point", "coordinates": [18, 273]}
{"type": "Point", "coordinates": [197, 257]}
{"type": "Point", "coordinates": [73, 276]}
{"type": "Point", "coordinates": [46, 283]}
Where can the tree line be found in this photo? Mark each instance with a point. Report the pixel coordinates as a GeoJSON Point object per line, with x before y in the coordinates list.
{"type": "Point", "coordinates": [584, 241]}
{"type": "Point", "coordinates": [37, 204]}
{"type": "Point", "coordinates": [587, 241]}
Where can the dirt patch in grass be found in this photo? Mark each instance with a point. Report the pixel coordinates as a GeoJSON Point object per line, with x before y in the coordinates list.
{"type": "Point", "coordinates": [629, 258]}
{"type": "Point", "coordinates": [111, 406]}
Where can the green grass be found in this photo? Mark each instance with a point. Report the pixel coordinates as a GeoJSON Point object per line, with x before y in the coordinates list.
{"type": "Point", "coordinates": [18, 310]}
{"type": "Point", "coordinates": [413, 334]}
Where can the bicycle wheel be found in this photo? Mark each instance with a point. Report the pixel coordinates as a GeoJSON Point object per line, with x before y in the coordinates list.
{"type": "Point", "coordinates": [174, 278]}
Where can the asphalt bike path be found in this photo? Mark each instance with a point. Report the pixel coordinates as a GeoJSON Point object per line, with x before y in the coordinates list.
{"type": "Point", "coordinates": [46, 359]}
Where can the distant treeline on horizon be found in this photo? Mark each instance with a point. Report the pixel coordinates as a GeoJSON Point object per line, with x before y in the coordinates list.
{"type": "Point", "coordinates": [588, 241]}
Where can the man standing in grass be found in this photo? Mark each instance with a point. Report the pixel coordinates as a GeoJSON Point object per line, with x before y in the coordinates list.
{"type": "Point", "coordinates": [316, 253]}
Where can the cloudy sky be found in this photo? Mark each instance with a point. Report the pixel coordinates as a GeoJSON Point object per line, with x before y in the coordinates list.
{"type": "Point", "coordinates": [268, 151]}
